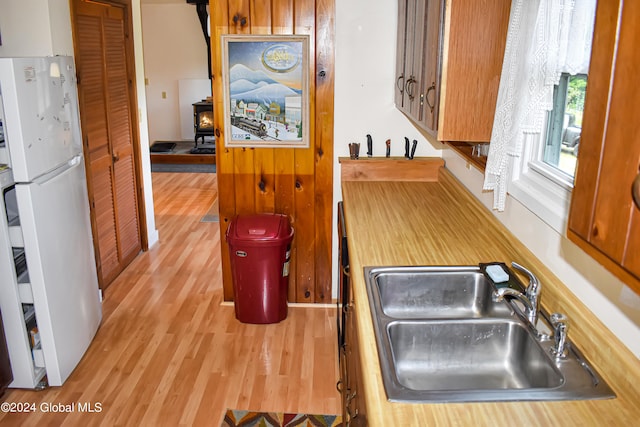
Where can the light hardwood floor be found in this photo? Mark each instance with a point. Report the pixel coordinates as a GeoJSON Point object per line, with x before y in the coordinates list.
{"type": "Point", "coordinates": [168, 353]}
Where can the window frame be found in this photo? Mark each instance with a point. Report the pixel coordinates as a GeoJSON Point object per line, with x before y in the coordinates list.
{"type": "Point", "coordinates": [541, 188]}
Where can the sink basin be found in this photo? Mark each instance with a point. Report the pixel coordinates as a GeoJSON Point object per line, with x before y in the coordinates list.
{"type": "Point", "coordinates": [441, 337]}
{"type": "Point", "coordinates": [435, 292]}
{"type": "Point", "coordinates": [476, 355]}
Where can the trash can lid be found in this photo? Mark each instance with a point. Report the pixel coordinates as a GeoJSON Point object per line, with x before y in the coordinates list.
{"type": "Point", "coordinates": [260, 227]}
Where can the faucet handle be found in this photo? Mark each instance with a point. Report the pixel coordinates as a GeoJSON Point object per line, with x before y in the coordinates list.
{"type": "Point", "coordinates": [560, 324]}
{"type": "Point", "coordinates": [534, 284]}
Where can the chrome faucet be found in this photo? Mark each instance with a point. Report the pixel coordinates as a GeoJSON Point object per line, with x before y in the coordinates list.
{"type": "Point", "coordinates": [560, 324]}
{"type": "Point", "coordinates": [530, 298]}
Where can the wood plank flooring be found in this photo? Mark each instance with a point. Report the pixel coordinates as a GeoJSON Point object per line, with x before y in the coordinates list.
{"type": "Point", "coordinates": [168, 353]}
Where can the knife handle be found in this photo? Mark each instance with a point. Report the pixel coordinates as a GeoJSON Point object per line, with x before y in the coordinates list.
{"type": "Point", "coordinates": [388, 142]}
{"type": "Point", "coordinates": [406, 147]}
{"type": "Point", "coordinates": [413, 148]}
{"type": "Point", "coordinates": [369, 146]}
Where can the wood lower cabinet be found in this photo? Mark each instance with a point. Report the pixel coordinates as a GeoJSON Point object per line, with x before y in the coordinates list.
{"type": "Point", "coordinates": [350, 382]}
{"type": "Point", "coordinates": [449, 62]}
{"type": "Point", "coordinates": [603, 219]}
{"type": "Point", "coordinates": [353, 396]}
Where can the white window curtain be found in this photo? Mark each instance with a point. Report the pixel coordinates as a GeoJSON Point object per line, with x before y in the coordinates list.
{"type": "Point", "coordinates": [545, 39]}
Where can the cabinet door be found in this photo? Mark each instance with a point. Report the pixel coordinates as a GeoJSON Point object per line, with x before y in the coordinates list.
{"type": "Point", "coordinates": [107, 131]}
{"type": "Point", "coordinates": [475, 36]}
{"type": "Point", "coordinates": [354, 405]}
{"type": "Point", "coordinates": [603, 218]}
{"type": "Point", "coordinates": [413, 61]}
{"type": "Point", "coordinates": [411, 30]}
{"type": "Point", "coordinates": [409, 57]}
{"type": "Point", "coordinates": [401, 52]}
{"type": "Point", "coordinates": [430, 66]}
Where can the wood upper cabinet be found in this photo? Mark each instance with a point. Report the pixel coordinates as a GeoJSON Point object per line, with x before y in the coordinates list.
{"type": "Point", "coordinates": [603, 219]}
{"type": "Point", "coordinates": [449, 63]}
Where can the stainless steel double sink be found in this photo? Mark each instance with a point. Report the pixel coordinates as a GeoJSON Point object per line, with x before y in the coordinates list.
{"type": "Point", "coordinates": [442, 337]}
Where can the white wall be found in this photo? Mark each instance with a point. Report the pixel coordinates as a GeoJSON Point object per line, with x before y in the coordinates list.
{"type": "Point", "coordinates": [143, 124]}
{"type": "Point", "coordinates": [174, 50]}
{"type": "Point", "coordinates": [35, 28]}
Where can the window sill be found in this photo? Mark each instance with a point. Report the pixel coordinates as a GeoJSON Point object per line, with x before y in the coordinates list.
{"type": "Point", "coordinates": [545, 198]}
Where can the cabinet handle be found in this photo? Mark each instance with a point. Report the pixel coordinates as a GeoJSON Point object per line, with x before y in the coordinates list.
{"type": "Point", "coordinates": [399, 85]}
{"type": "Point", "coordinates": [409, 87]}
{"type": "Point", "coordinates": [432, 88]}
{"type": "Point", "coordinates": [115, 157]}
{"type": "Point", "coordinates": [348, 408]}
{"type": "Point", "coordinates": [339, 386]}
{"type": "Point", "coordinates": [635, 189]}
{"type": "Point", "coordinates": [346, 271]}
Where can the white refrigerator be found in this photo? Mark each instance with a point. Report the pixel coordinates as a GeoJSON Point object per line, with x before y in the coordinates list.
{"type": "Point", "coordinates": [49, 295]}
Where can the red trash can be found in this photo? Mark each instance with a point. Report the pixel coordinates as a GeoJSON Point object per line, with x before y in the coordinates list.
{"type": "Point", "coordinates": [260, 249]}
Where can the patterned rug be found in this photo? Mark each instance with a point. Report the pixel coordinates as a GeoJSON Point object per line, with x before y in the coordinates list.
{"type": "Point", "coordinates": [236, 418]}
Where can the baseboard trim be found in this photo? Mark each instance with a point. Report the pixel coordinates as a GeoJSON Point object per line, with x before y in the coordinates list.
{"type": "Point", "coordinates": [294, 304]}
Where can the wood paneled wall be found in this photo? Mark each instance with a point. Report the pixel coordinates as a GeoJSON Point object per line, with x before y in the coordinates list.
{"type": "Point", "coordinates": [297, 182]}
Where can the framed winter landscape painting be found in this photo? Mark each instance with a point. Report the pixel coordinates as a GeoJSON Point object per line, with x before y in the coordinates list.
{"type": "Point", "coordinates": [265, 81]}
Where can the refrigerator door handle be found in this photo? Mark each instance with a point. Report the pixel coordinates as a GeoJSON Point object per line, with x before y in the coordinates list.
{"type": "Point", "coordinates": [71, 163]}
{"type": "Point", "coordinates": [75, 160]}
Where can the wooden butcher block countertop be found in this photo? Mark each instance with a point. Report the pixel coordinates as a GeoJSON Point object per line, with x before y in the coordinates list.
{"type": "Point", "coordinates": [426, 222]}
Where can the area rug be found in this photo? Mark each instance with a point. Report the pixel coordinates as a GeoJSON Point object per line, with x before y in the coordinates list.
{"type": "Point", "coordinates": [162, 147]}
{"type": "Point", "coordinates": [212, 213]}
{"type": "Point", "coordinates": [183, 167]}
{"type": "Point", "coordinates": [203, 150]}
{"type": "Point", "coordinates": [236, 418]}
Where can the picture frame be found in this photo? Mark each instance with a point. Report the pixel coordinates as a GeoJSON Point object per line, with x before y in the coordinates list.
{"type": "Point", "coordinates": [265, 80]}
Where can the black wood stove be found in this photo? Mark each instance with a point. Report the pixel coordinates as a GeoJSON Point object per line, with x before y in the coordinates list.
{"type": "Point", "coordinates": [202, 120]}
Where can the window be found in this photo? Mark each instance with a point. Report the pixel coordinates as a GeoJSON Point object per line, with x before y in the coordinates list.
{"type": "Point", "coordinates": [544, 162]}
{"type": "Point", "coordinates": [562, 139]}
{"type": "Point", "coordinates": [543, 175]}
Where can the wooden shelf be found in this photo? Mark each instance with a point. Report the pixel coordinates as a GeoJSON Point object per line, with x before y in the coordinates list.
{"type": "Point", "coordinates": [391, 169]}
{"type": "Point", "coordinates": [465, 149]}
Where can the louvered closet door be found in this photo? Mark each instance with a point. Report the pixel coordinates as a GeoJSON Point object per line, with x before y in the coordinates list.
{"type": "Point", "coordinates": [106, 126]}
